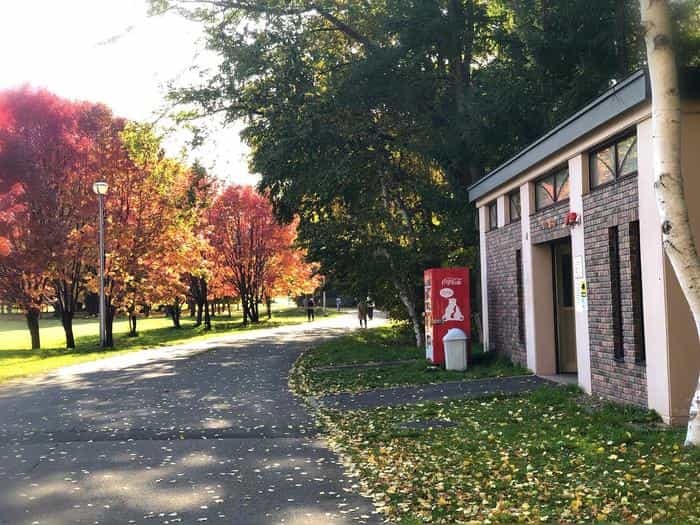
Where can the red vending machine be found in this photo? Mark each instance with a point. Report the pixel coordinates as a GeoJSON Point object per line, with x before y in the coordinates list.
{"type": "Point", "coordinates": [447, 305]}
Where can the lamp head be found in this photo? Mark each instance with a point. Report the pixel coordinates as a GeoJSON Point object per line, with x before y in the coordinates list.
{"type": "Point", "coordinates": [100, 188]}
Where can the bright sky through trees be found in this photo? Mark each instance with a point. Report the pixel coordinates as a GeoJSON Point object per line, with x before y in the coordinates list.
{"type": "Point", "coordinates": [110, 51]}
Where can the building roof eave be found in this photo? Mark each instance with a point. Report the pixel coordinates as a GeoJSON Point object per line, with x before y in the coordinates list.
{"type": "Point", "coordinates": [624, 96]}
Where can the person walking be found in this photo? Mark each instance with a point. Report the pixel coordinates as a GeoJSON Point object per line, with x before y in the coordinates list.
{"type": "Point", "coordinates": [310, 309]}
{"type": "Point", "coordinates": [370, 308]}
{"type": "Point", "coordinates": [362, 313]}
{"type": "Point", "coordinates": [338, 303]}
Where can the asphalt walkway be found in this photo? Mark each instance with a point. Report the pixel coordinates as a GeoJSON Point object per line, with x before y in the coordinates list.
{"type": "Point", "coordinates": [198, 433]}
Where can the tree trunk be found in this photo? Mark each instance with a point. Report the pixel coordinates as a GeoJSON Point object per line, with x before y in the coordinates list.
{"type": "Point", "coordinates": [175, 310]}
{"type": "Point", "coordinates": [33, 325]}
{"type": "Point", "coordinates": [253, 311]}
{"type": "Point", "coordinates": [109, 325]}
{"type": "Point", "coordinates": [193, 308]}
{"type": "Point", "coordinates": [228, 307]}
{"type": "Point", "coordinates": [67, 322]}
{"type": "Point", "coordinates": [200, 312]}
{"type": "Point", "coordinates": [132, 324]}
{"type": "Point", "coordinates": [678, 240]}
{"type": "Point", "coordinates": [410, 306]}
{"type": "Point", "coordinates": [207, 317]}
{"type": "Point", "coordinates": [268, 303]}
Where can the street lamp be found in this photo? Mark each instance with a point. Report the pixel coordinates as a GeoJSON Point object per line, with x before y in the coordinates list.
{"type": "Point", "coordinates": [100, 189]}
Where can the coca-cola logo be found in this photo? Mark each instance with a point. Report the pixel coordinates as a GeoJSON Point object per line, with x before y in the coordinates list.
{"type": "Point", "coordinates": [452, 281]}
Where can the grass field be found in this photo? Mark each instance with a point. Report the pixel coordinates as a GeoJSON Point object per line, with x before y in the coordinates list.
{"type": "Point", "coordinates": [551, 456]}
{"type": "Point", "coordinates": [400, 363]}
{"type": "Point", "coordinates": [16, 358]}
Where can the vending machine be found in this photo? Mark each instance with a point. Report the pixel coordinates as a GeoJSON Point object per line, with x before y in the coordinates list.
{"type": "Point", "coordinates": [447, 305]}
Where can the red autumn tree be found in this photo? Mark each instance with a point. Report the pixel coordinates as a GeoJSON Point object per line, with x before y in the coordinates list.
{"type": "Point", "coordinates": [251, 244]}
{"type": "Point", "coordinates": [24, 278]}
{"type": "Point", "coordinates": [290, 274]}
{"type": "Point", "coordinates": [45, 145]}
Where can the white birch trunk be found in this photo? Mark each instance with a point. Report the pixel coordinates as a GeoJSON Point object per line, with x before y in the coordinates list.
{"type": "Point", "coordinates": [678, 240]}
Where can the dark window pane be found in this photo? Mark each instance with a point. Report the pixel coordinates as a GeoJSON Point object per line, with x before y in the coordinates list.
{"type": "Point", "coordinates": [637, 302]}
{"type": "Point", "coordinates": [567, 280]}
{"type": "Point", "coordinates": [514, 206]}
{"type": "Point", "coordinates": [562, 184]}
{"type": "Point", "coordinates": [521, 308]}
{"type": "Point", "coordinates": [493, 216]}
{"type": "Point", "coordinates": [602, 167]}
{"type": "Point", "coordinates": [615, 291]}
{"type": "Point", "coordinates": [544, 192]}
{"type": "Point", "coordinates": [627, 156]}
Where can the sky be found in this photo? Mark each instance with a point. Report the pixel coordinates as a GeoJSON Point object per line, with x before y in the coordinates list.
{"type": "Point", "coordinates": [111, 51]}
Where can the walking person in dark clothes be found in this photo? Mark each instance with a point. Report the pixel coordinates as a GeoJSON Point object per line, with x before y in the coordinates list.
{"type": "Point", "coordinates": [310, 309]}
{"type": "Point", "coordinates": [370, 308]}
{"type": "Point", "coordinates": [362, 313]}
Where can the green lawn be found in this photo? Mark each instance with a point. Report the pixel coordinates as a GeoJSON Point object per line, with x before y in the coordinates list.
{"type": "Point", "coordinates": [384, 344]}
{"type": "Point", "coordinates": [549, 456]}
{"type": "Point", "coordinates": [16, 359]}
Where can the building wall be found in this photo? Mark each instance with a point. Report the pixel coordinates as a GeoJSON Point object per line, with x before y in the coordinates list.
{"type": "Point", "coordinates": [549, 224]}
{"type": "Point", "coordinates": [503, 318]}
{"type": "Point", "coordinates": [684, 348]}
{"type": "Point", "coordinates": [623, 380]}
{"type": "Point", "coordinates": [667, 379]}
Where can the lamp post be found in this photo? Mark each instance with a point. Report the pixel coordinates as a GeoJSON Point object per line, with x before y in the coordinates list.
{"type": "Point", "coordinates": [100, 189]}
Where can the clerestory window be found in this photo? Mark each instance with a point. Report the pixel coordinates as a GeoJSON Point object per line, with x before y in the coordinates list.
{"type": "Point", "coordinates": [613, 161]}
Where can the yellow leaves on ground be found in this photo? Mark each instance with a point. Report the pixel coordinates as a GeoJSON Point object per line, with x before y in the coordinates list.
{"type": "Point", "coordinates": [531, 459]}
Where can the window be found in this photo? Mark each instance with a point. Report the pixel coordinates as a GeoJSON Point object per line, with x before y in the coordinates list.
{"type": "Point", "coordinates": [514, 205]}
{"type": "Point", "coordinates": [519, 283]}
{"type": "Point", "coordinates": [614, 161]}
{"type": "Point", "coordinates": [552, 188]}
{"type": "Point", "coordinates": [493, 216]}
{"type": "Point", "coordinates": [615, 292]}
{"type": "Point", "coordinates": [637, 304]}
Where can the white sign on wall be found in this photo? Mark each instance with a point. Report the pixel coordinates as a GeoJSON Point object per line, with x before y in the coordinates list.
{"type": "Point", "coordinates": [578, 267]}
{"type": "Point", "coordinates": [581, 294]}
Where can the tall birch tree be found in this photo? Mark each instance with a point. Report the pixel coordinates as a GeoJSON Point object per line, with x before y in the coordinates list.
{"type": "Point", "coordinates": [679, 243]}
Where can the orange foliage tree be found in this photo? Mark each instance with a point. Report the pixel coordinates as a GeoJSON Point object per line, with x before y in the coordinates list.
{"type": "Point", "coordinates": [148, 236]}
{"type": "Point", "coordinates": [256, 252]}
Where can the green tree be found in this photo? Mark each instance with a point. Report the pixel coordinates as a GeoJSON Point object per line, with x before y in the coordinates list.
{"type": "Point", "coordinates": [369, 120]}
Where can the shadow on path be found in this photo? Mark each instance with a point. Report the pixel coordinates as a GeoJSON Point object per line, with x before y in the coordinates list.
{"type": "Point", "coordinates": [204, 433]}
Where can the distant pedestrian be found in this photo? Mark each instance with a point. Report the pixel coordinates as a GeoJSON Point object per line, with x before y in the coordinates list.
{"type": "Point", "coordinates": [338, 303]}
{"type": "Point", "coordinates": [310, 309]}
{"type": "Point", "coordinates": [362, 313]}
{"type": "Point", "coordinates": [370, 308]}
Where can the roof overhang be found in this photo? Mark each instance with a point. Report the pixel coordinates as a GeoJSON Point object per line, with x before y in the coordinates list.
{"type": "Point", "coordinates": [624, 96]}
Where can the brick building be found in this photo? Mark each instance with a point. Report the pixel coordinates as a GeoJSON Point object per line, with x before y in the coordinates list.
{"type": "Point", "coordinates": [574, 278]}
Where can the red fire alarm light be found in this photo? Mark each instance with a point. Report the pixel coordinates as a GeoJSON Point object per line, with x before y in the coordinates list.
{"type": "Point", "coordinates": [572, 219]}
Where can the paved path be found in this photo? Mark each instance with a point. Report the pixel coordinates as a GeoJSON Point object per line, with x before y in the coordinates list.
{"type": "Point", "coordinates": [176, 435]}
{"type": "Point", "coordinates": [417, 394]}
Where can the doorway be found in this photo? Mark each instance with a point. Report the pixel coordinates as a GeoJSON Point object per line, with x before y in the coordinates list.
{"type": "Point", "coordinates": [564, 310]}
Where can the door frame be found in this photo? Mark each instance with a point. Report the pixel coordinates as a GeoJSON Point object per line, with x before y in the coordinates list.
{"type": "Point", "coordinates": [555, 302]}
